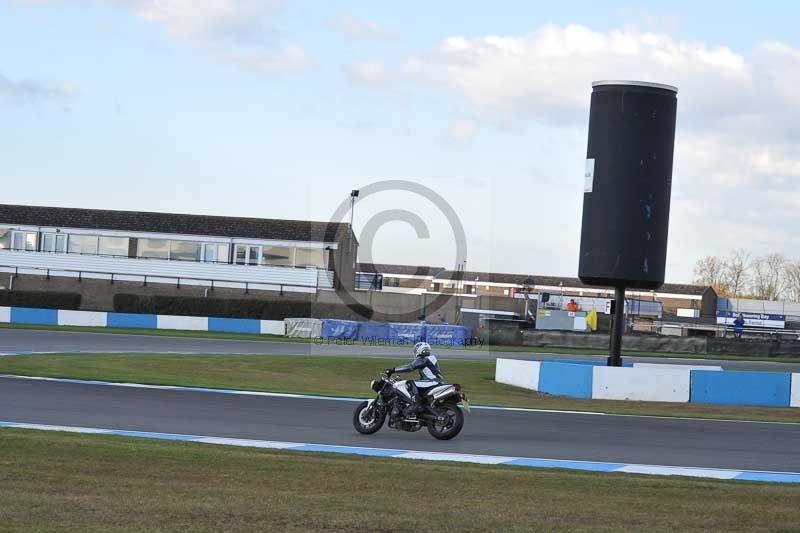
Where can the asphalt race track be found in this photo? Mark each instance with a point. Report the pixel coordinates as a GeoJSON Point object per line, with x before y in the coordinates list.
{"type": "Point", "coordinates": [551, 435]}
{"type": "Point", "coordinates": [32, 341]}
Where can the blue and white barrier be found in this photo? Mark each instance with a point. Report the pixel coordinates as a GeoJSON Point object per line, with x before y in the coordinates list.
{"type": "Point", "coordinates": [770, 389]}
{"type": "Point", "coordinates": [640, 384]}
{"type": "Point", "coordinates": [30, 315]}
{"type": "Point", "coordinates": [186, 323]}
{"type": "Point", "coordinates": [652, 383]}
{"type": "Point", "coordinates": [523, 374]}
{"type": "Point", "coordinates": [330, 329]}
{"type": "Point", "coordinates": [132, 320]}
{"type": "Point", "coordinates": [82, 318]}
{"type": "Point", "coordinates": [62, 317]}
{"type": "Point", "coordinates": [566, 379]}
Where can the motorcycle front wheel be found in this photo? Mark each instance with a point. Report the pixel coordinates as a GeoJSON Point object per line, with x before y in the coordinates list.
{"type": "Point", "coordinates": [368, 421]}
{"type": "Point", "coordinates": [451, 426]}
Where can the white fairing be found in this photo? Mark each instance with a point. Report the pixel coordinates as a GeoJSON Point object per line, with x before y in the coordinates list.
{"type": "Point", "coordinates": [402, 388]}
{"type": "Point", "coordinates": [426, 372]}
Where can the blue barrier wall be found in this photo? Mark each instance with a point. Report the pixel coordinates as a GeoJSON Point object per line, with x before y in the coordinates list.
{"type": "Point", "coordinates": [340, 329]}
{"type": "Point", "coordinates": [445, 334]}
{"type": "Point", "coordinates": [132, 320]}
{"type": "Point", "coordinates": [30, 315]}
{"type": "Point", "coordinates": [234, 325]}
{"type": "Point", "coordinates": [770, 389]}
{"type": "Point", "coordinates": [373, 331]}
{"type": "Point", "coordinates": [566, 379]}
{"type": "Point", "coordinates": [406, 333]}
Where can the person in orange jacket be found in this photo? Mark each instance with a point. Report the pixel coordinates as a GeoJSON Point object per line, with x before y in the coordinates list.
{"type": "Point", "coordinates": [573, 305]}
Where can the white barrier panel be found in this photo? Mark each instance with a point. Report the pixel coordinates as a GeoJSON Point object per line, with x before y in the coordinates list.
{"type": "Point", "coordinates": [795, 398]}
{"type": "Point", "coordinates": [641, 384]}
{"type": "Point", "coordinates": [684, 367]}
{"type": "Point", "coordinates": [273, 327]}
{"type": "Point", "coordinates": [191, 323]}
{"type": "Point", "coordinates": [308, 328]}
{"type": "Point", "coordinates": [523, 374]}
{"type": "Point", "coordinates": [5, 315]}
{"type": "Point", "coordinates": [82, 318]}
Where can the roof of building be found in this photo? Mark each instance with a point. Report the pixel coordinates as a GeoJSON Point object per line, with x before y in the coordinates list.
{"type": "Point", "coordinates": [555, 281]}
{"type": "Point", "coordinates": [400, 270]}
{"type": "Point", "coordinates": [147, 222]}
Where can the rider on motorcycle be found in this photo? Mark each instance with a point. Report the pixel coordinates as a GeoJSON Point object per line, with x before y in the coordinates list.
{"type": "Point", "coordinates": [429, 374]}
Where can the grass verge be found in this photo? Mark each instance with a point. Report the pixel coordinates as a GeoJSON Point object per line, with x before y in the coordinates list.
{"type": "Point", "coordinates": [342, 376]}
{"type": "Point", "coordinates": [99, 483]}
{"type": "Point", "coordinates": [484, 347]}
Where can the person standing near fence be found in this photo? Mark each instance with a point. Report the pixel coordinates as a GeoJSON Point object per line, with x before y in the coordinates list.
{"type": "Point", "coordinates": [738, 326]}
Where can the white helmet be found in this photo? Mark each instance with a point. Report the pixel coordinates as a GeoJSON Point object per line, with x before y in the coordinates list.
{"type": "Point", "coordinates": [422, 349]}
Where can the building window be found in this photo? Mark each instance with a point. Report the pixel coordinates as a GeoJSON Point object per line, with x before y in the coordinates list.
{"type": "Point", "coordinates": [82, 244]}
{"type": "Point", "coordinates": [184, 251]}
{"type": "Point", "coordinates": [309, 257]}
{"type": "Point", "coordinates": [215, 253]}
{"type": "Point", "coordinates": [114, 246]}
{"type": "Point", "coordinates": [247, 254]}
{"type": "Point", "coordinates": [152, 248]}
{"type": "Point", "coordinates": [54, 243]}
{"type": "Point", "coordinates": [277, 256]}
{"type": "Point", "coordinates": [5, 239]}
{"type": "Point", "coordinates": [25, 240]}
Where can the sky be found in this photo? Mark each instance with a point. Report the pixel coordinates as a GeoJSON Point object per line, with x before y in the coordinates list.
{"type": "Point", "coordinates": [278, 109]}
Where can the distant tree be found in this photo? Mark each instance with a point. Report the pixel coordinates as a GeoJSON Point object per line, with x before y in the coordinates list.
{"type": "Point", "coordinates": [737, 272]}
{"type": "Point", "coordinates": [710, 271]}
{"type": "Point", "coordinates": [792, 280]}
{"type": "Point", "coordinates": [768, 279]}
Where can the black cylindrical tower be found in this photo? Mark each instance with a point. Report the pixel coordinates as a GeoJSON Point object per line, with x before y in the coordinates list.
{"type": "Point", "coordinates": [627, 184]}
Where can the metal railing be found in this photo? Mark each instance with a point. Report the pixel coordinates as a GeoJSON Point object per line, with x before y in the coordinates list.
{"type": "Point", "coordinates": [48, 272]}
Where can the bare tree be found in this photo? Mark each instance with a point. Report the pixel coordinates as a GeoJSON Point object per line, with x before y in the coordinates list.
{"type": "Point", "coordinates": [768, 276]}
{"type": "Point", "coordinates": [737, 271]}
{"type": "Point", "coordinates": [792, 280]}
{"type": "Point", "coordinates": [710, 270]}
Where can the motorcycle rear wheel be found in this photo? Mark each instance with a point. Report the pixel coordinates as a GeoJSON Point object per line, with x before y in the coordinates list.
{"type": "Point", "coordinates": [365, 423]}
{"type": "Point", "coordinates": [452, 427]}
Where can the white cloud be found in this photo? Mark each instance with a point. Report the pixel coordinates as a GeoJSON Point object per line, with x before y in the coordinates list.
{"type": "Point", "coordinates": [240, 31]}
{"type": "Point", "coordinates": [547, 75]}
{"type": "Point", "coordinates": [737, 157]}
{"type": "Point", "coordinates": [208, 19]}
{"type": "Point", "coordinates": [26, 91]}
{"type": "Point", "coordinates": [462, 130]}
{"type": "Point", "coordinates": [290, 58]}
{"type": "Point", "coordinates": [368, 72]}
{"type": "Point", "coordinates": [361, 29]}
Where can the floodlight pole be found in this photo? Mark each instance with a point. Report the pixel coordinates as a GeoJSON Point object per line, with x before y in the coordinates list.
{"type": "Point", "coordinates": [615, 347]}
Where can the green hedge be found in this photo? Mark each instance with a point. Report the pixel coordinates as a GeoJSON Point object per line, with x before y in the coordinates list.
{"type": "Point", "coordinates": [42, 299]}
{"type": "Point", "coordinates": [275, 309]}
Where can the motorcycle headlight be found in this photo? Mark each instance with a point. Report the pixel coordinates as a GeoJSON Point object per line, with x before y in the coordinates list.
{"type": "Point", "coordinates": [376, 385]}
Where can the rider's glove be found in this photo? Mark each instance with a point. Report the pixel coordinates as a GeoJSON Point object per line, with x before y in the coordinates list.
{"type": "Point", "coordinates": [390, 370]}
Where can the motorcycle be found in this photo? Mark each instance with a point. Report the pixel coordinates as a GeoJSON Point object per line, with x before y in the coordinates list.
{"type": "Point", "coordinates": [442, 413]}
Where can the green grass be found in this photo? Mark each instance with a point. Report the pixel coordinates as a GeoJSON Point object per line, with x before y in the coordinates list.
{"type": "Point", "coordinates": [485, 346]}
{"type": "Point", "coordinates": [67, 482]}
{"type": "Point", "coordinates": [342, 376]}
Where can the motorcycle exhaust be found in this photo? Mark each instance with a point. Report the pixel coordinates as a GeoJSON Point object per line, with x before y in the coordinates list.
{"type": "Point", "coordinates": [449, 391]}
